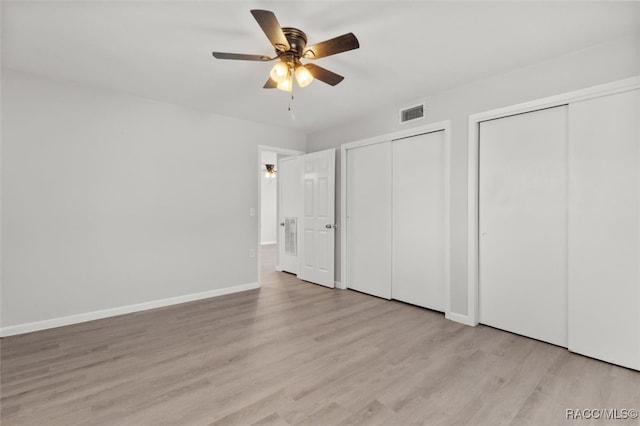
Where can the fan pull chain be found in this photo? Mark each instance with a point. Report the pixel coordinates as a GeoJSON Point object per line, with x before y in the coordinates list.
{"type": "Point", "coordinates": [291, 70]}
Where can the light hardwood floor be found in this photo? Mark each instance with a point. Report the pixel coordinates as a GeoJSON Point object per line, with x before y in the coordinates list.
{"type": "Point", "coordinates": [297, 353]}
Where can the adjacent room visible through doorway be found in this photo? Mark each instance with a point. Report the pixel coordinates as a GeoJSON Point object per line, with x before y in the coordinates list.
{"type": "Point", "coordinates": [268, 213]}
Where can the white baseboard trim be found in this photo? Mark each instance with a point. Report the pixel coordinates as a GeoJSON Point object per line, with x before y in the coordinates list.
{"type": "Point", "coordinates": [278, 268]}
{"type": "Point", "coordinates": [268, 243]}
{"type": "Point", "coordinates": [463, 319]}
{"type": "Point", "coordinates": [121, 310]}
{"type": "Point", "coordinates": [339, 285]}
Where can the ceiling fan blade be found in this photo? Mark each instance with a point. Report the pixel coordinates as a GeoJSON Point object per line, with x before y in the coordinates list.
{"type": "Point", "coordinates": [336, 45]}
{"type": "Point", "coordinates": [241, 56]}
{"type": "Point", "coordinates": [323, 74]}
{"type": "Point", "coordinates": [270, 84]}
{"type": "Point", "coordinates": [269, 24]}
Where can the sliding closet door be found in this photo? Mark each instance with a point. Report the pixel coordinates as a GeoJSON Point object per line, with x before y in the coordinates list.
{"type": "Point", "coordinates": [604, 231]}
{"type": "Point", "coordinates": [419, 220]}
{"type": "Point", "coordinates": [523, 224]}
{"type": "Point", "coordinates": [369, 219]}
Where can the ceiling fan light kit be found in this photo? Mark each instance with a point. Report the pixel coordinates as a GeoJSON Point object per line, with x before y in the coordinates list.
{"type": "Point", "coordinates": [290, 46]}
{"type": "Point", "coordinates": [303, 76]}
{"type": "Point", "coordinates": [286, 85]}
{"type": "Point", "coordinates": [280, 72]}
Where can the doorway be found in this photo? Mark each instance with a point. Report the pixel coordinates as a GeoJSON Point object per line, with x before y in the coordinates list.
{"type": "Point", "coordinates": [268, 212]}
{"type": "Point", "coordinates": [268, 190]}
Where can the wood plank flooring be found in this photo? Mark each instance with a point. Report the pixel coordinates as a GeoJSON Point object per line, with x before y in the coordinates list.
{"type": "Point", "coordinates": [294, 353]}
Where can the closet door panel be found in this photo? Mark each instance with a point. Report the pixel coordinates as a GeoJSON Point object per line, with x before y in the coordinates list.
{"type": "Point", "coordinates": [604, 231]}
{"type": "Point", "coordinates": [523, 224]}
{"type": "Point", "coordinates": [419, 222]}
{"type": "Point", "coordinates": [369, 219]}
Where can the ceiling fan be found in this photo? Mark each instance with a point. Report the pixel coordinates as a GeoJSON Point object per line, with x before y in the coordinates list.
{"type": "Point", "coordinates": [290, 48]}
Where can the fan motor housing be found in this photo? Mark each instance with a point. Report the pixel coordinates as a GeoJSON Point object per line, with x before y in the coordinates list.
{"type": "Point", "coordinates": [297, 40]}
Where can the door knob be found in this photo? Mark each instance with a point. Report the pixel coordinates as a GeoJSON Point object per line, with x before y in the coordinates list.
{"type": "Point", "coordinates": [329, 226]}
{"type": "Point", "coordinates": [281, 223]}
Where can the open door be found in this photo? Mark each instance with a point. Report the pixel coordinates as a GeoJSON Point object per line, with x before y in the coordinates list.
{"type": "Point", "coordinates": [317, 230]}
{"type": "Point", "coordinates": [289, 206]}
{"type": "Point", "coordinates": [306, 216]}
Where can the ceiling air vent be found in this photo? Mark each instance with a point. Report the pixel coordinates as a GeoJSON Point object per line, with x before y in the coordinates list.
{"type": "Point", "coordinates": [412, 113]}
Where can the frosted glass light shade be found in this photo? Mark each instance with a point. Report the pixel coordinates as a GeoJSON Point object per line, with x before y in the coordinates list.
{"type": "Point", "coordinates": [303, 76]}
{"type": "Point", "coordinates": [286, 85]}
{"type": "Point", "coordinates": [279, 72]}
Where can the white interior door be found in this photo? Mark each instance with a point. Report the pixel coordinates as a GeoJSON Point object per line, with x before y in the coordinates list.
{"type": "Point", "coordinates": [523, 224]}
{"type": "Point", "coordinates": [369, 219]}
{"type": "Point", "coordinates": [318, 218]}
{"type": "Point", "coordinates": [420, 220]}
{"type": "Point", "coordinates": [604, 231]}
{"type": "Point", "coordinates": [289, 200]}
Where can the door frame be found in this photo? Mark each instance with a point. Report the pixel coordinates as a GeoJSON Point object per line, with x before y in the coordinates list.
{"type": "Point", "coordinates": [472, 317]}
{"type": "Point", "coordinates": [406, 133]}
{"type": "Point", "coordinates": [279, 151]}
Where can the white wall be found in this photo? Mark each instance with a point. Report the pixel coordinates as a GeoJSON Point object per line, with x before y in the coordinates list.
{"type": "Point", "coordinates": [269, 199]}
{"type": "Point", "coordinates": [112, 200]}
{"type": "Point", "coordinates": [602, 63]}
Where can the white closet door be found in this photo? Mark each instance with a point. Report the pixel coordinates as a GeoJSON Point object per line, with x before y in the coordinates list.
{"type": "Point", "coordinates": [419, 220]}
{"type": "Point", "coordinates": [369, 219]}
{"type": "Point", "coordinates": [604, 231]}
{"type": "Point", "coordinates": [523, 224]}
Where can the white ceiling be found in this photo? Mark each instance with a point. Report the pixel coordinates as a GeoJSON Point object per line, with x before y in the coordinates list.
{"type": "Point", "coordinates": [409, 49]}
